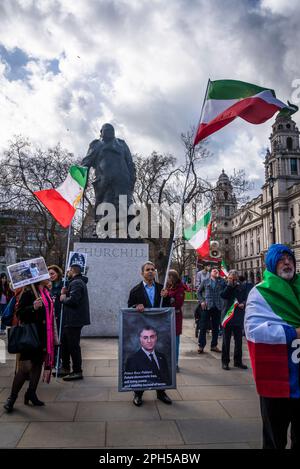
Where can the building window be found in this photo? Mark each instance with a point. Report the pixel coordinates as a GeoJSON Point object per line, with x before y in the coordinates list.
{"type": "Point", "coordinates": [293, 235]}
{"type": "Point", "coordinates": [258, 247]}
{"type": "Point", "coordinates": [289, 143]}
{"type": "Point", "coordinates": [294, 169]}
{"type": "Point", "coordinates": [292, 211]}
{"type": "Point", "coordinates": [226, 241]}
{"type": "Point", "coordinates": [227, 211]}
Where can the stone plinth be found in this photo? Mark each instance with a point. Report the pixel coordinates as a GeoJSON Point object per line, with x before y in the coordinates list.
{"type": "Point", "coordinates": [113, 269]}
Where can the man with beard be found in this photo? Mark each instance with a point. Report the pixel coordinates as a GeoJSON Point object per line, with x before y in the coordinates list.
{"type": "Point", "coordinates": [272, 325]}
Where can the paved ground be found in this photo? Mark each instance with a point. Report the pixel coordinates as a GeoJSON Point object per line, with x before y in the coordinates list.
{"type": "Point", "coordinates": [212, 408]}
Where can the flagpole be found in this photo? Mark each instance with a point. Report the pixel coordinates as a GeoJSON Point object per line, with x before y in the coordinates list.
{"type": "Point", "coordinates": [176, 223]}
{"type": "Point", "coordinates": [191, 155]}
{"type": "Point", "coordinates": [62, 305]}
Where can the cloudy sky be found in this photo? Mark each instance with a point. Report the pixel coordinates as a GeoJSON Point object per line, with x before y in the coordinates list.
{"type": "Point", "coordinates": [67, 66]}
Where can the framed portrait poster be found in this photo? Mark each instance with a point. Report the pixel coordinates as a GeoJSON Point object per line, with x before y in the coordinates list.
{"type": "Point", "coordinates": [147, 348]}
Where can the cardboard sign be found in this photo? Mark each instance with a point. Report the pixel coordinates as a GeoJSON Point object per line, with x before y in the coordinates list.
{"type": "Point", "coordinates": [28, 272]}
{"type": "Point", "coordinates": [78, 258]}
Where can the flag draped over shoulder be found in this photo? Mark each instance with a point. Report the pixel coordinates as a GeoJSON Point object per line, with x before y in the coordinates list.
{"type": "Point", "coordinates": [230, 313]}
{"type": "Point", "coordinates": [227, 99]}
{"type": "Point", "coordinates": [272, 314]}
{"type": "Point", "coordinates": [199, 234]}
{"type": "Point", "coordinates": [63, 201]}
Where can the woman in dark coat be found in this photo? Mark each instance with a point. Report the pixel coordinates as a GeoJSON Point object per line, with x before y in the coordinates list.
{"type": "Point", "coordinates": [38, 311]}
{"type": "Point", "coordinates": [56, 275]}
{"type": "Point", "coordinates": [176, 292]}
{"type": "Point", "coordinates": [56, 279]}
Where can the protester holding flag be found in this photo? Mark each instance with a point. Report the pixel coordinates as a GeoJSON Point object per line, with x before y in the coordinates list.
{"type": "Point", "coordinates": [38, 311]}
{"type": "Point", "coordinates": [235, 296]}
{"type": "Point", "coordinates": [75, 299]}
{"type": "Point", "coordinates": [272, 323]}
{"type": "Point", "coordinates": [209, 296]}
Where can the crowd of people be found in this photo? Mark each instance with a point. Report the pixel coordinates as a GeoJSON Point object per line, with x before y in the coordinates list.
{"type": "Point", "coordinates": [267, 314]}
{"type": "Point", "coordinates": [215, 297]}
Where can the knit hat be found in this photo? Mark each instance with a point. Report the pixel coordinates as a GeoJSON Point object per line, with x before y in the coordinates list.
{"type": "Point", "coordinates": [274, 255]}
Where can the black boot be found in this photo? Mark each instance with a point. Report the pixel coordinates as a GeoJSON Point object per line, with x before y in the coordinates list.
{"type": "Point", "coordinates": [9, 404]}
{"type": "Point", "coordinates": [30, 395]}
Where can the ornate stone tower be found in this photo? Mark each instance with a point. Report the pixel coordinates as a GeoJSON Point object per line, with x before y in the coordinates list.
{"type": "Point", "coordinates": [283, 162]}
{"type": "Point", "coordinates": [282, 171]}
{"type": "Point", "coordinates": [223, 207]}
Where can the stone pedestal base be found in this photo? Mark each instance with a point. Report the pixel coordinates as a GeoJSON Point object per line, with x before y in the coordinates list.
{"type": "Point", "coordinates": [113, 269]}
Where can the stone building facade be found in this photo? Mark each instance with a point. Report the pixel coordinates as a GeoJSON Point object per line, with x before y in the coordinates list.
{"type": "Point", "coordinates": [246, 233]}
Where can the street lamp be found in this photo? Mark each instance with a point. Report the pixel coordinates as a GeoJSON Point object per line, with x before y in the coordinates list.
{"type": "Point", "coordinates": [271, 181]}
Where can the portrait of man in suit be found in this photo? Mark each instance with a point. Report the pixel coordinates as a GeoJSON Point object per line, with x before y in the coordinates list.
{"type": "Point", "coordinates": [150, 362]}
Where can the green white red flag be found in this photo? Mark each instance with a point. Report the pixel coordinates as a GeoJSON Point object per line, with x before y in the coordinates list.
{"type": "Point", "coordinates": [227, 99]}
{"type": "Point", "coordinates": [199, 234]}
{"type": "Point", "coordinates": [63, 201]}
{"type": "Point", "coordinates": [230, 313]}
{"type": "Point", "coordinates": [223, 270]}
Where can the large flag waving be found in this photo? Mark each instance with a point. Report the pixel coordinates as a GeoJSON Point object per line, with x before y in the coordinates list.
{"type": "Point", "coordinates": [62, 202]}
{"type": "Point", "coordinates": [199, 234]}
{"type": "Point", "coordinates": [227, 99]}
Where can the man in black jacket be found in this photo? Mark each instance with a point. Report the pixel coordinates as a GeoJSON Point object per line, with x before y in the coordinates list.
{"type": "Point", "coordinates": [147, 294]}
{"type": "Point", "coordinates": [234, 291]}
{"type": "Point", "coordinates": [76, 315]}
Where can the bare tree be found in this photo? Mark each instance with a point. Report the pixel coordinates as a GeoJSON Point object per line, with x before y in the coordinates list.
{"type": "Point", "coordinates": [25, 169]}
{"type": "Point", "coordinates": [161, 179]}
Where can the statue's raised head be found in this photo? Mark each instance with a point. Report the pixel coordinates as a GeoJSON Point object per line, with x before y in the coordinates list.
{"type": "Point", "coordinates": [107, 132]}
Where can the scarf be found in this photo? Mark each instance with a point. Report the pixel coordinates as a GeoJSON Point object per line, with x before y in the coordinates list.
{"type": "Point", "coordinates": [282, 296]}
{"type": "Point", "coordinates": [49, 357]}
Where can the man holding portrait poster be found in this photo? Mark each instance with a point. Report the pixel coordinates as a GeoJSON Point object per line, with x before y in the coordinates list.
{"type": "Point", "coordinates": [147, 367]}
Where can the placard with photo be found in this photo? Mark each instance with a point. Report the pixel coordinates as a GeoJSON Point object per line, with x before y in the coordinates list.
{"type": "Point", "coordinates": [147, 344]}
{"type": "Point", "coordinates": [28, 272]}
{"type": "Point", "coordinates": [79, 258]}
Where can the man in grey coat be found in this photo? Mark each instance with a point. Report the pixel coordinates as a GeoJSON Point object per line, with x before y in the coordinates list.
{"type": "Point", "coordinates": [209, 296]}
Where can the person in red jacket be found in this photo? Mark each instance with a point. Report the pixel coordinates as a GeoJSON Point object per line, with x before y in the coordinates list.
{"type": "Point", "coordinates": [176, 290]}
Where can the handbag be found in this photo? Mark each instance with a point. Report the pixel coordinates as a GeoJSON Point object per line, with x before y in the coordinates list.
{"type": "Point", "coordinates": [23, 338]}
